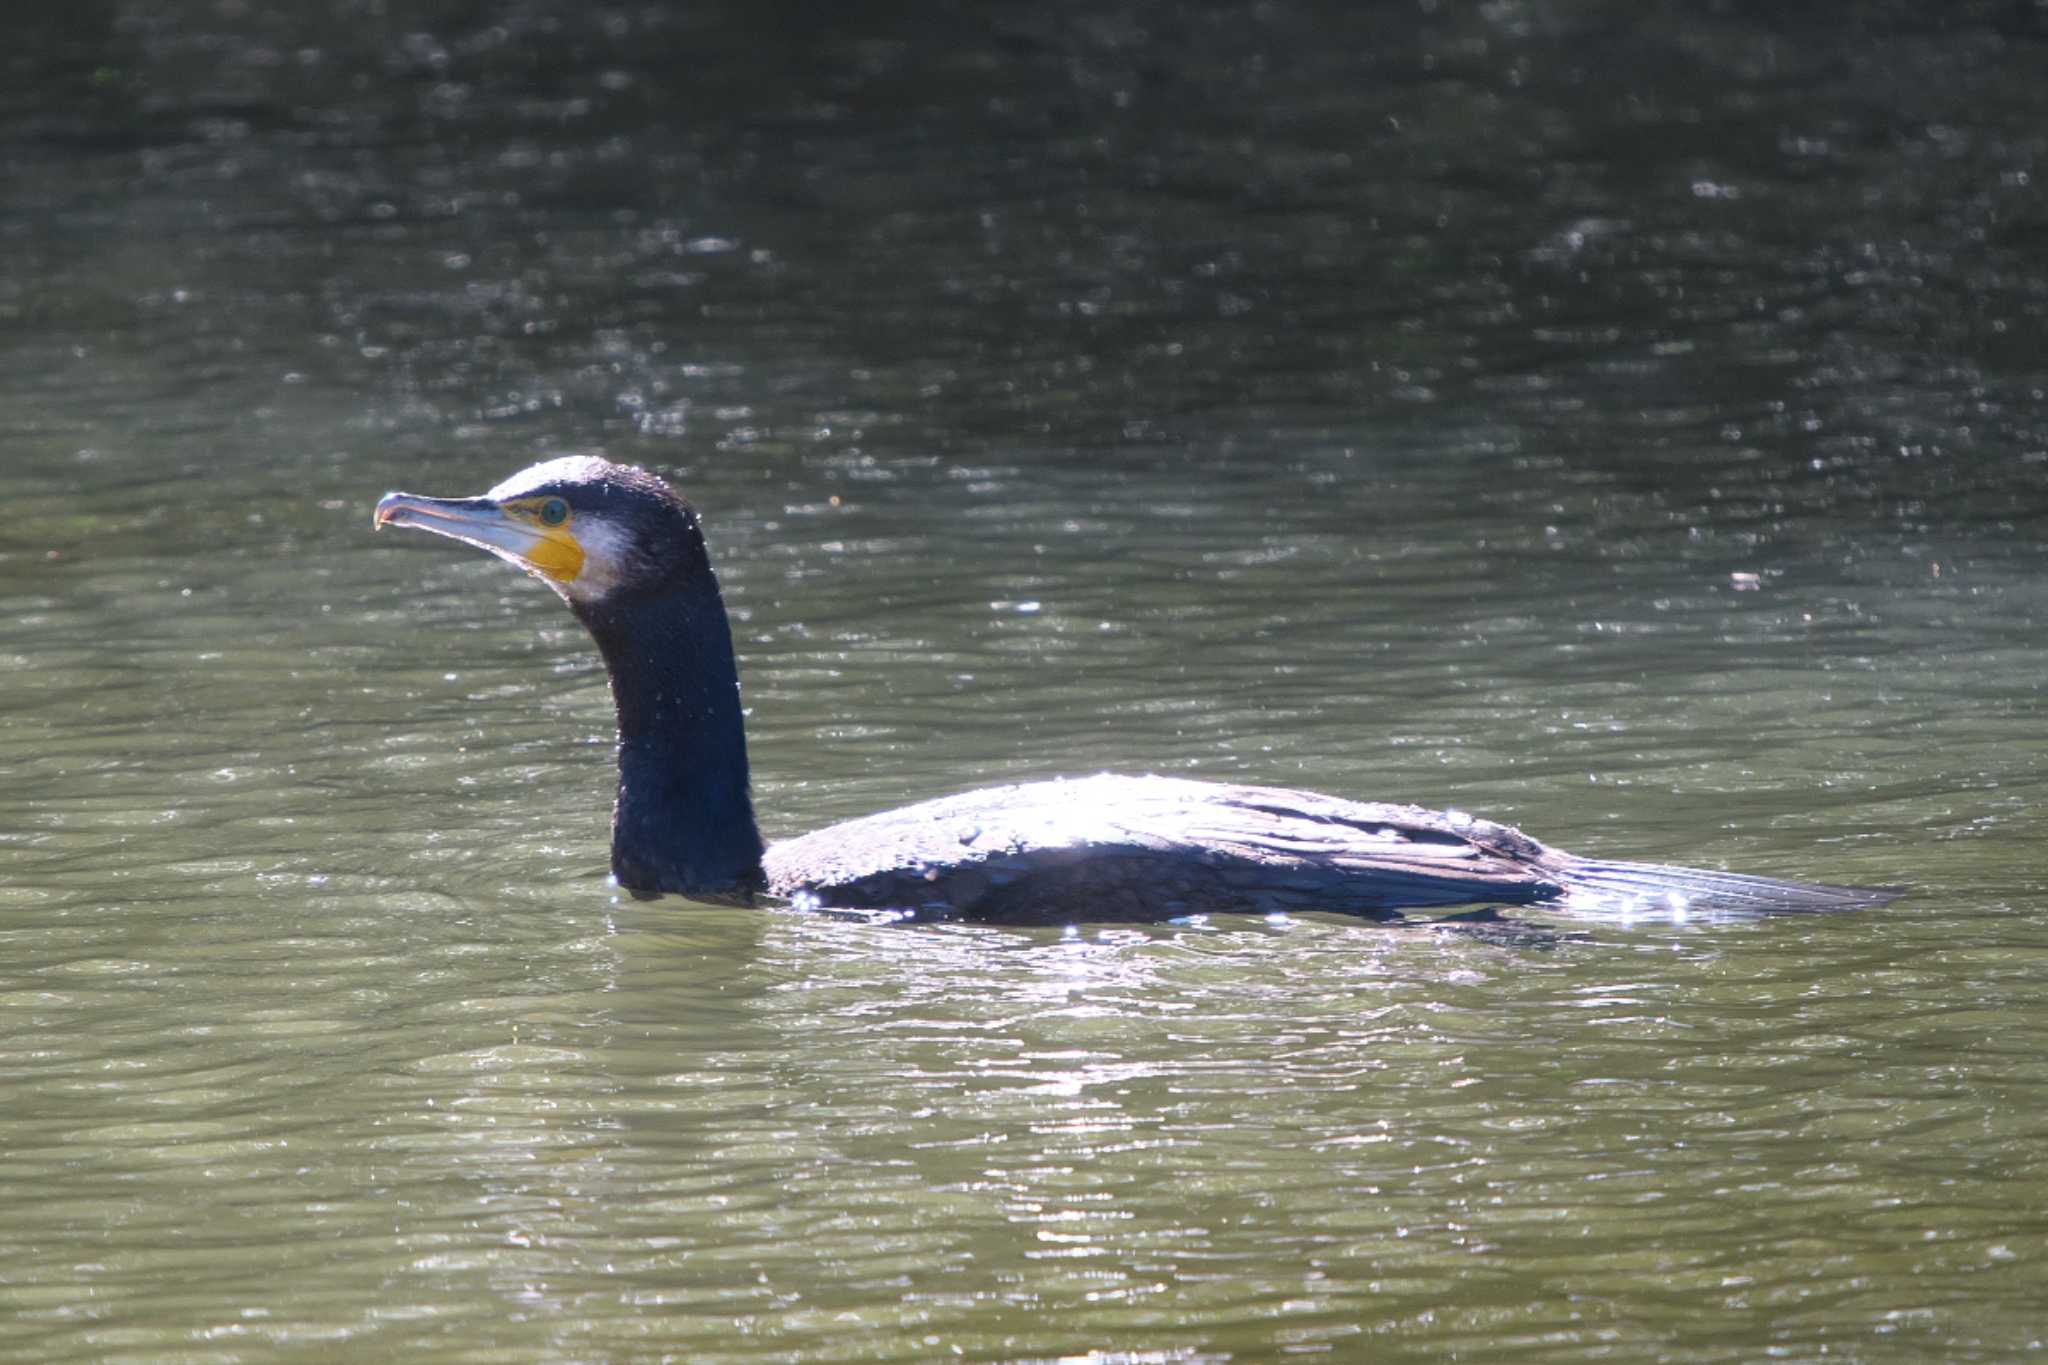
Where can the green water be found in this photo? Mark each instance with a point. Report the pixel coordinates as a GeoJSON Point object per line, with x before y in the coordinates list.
{"type": "Point", "coordinates": [1623, 428]}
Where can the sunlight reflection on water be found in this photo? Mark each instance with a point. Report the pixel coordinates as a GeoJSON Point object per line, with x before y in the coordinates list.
{"type": "Point", "coordinates": [1649, 459]}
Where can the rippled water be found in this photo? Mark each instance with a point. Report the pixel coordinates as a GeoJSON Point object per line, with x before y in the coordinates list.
{"type": "Point", "coordinates": [1621, 421]}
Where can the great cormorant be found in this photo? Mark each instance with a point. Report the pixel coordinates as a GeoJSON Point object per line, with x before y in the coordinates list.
{"type": "Point", "coordinates": [627, 555]}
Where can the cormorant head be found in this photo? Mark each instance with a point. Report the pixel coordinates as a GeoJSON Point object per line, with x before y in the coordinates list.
{"type": "Point", "coordinates": [592, 530]}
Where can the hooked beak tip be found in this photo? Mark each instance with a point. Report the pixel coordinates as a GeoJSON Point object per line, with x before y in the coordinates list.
{"type": "Point", "coordinates": [408, 509]}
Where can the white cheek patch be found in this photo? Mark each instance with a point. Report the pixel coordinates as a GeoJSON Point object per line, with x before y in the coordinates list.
{"type": "Point", "coordinates": [607, 558]}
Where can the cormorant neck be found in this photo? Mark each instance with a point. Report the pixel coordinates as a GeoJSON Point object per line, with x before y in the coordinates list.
{"type": "Point", "coordinates": [684, 820]}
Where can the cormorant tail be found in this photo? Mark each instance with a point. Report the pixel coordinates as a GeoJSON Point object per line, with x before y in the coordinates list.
{"type": "Point", "coordinates": [1595, 886]}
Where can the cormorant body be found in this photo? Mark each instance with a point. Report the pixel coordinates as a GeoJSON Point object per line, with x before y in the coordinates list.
{"type": "Point", "coordinates": [628, 556]}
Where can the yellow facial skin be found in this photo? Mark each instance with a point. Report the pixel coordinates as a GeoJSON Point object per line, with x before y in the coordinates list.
{"type": "Point", "coordinates": [534, 533]}
{"type": "Point", "coordinates": [555, 553]}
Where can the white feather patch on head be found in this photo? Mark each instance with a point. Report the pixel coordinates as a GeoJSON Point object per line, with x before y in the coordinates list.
{"type": "Point", "coordinates": [563, 469]}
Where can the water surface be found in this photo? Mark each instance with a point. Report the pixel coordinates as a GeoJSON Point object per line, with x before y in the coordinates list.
{"type": "Point", "coordinates": [1619, 421]}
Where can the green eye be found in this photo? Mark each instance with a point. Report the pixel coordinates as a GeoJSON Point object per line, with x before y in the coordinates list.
{"type": "Point", "coordinates": [554, 512]}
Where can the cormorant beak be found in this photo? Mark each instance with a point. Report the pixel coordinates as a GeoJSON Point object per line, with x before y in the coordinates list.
{"type": "Point", "coordinates": [512, 530]}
